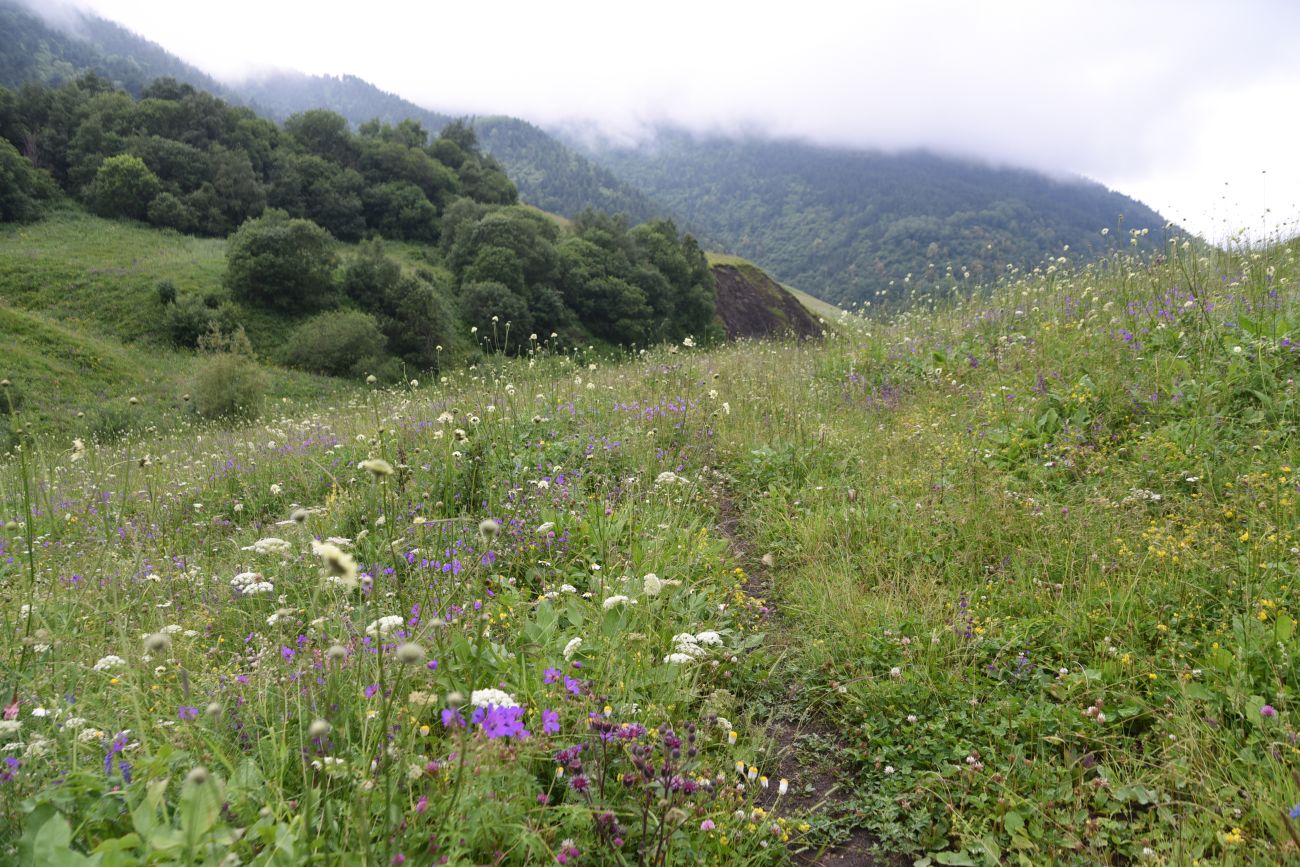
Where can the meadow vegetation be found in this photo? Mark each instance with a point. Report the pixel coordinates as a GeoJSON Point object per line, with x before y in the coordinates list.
{"type": "Point", "coordinates": [1001, 579]}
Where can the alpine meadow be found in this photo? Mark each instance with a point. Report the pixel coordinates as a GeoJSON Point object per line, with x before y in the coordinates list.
{"type": "Point", "coordinates": [383, 485]}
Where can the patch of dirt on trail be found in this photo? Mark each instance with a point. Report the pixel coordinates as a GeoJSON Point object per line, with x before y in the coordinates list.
{"type": "Point", "coordinates": [814, 783]}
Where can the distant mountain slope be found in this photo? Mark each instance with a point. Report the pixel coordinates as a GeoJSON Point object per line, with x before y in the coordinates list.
{"type": "Point", "coordinates": [31, 49]}
{"type": "Point", "coordinates": [555, 177]}
{"type": "Point", "coordinates": [846, 225]}
{"type": "Point", "coordinates": [281, 94]}
{"type": "Point", "coordinates": [549, 174]}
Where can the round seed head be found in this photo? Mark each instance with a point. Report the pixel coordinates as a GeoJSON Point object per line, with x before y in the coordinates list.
{"type": "Point", "coordinates": [410, 653]}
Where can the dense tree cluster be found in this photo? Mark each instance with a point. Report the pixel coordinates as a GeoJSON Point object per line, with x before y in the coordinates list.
{"type": "Point", "coordinates": [181, 158]}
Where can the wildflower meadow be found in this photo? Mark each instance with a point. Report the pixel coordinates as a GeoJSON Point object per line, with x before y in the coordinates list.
{"type": "Point", "coordinates": [1005, 577]}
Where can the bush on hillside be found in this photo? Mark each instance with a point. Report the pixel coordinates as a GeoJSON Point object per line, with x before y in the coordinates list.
{"type": "Point", "coordinates": [123, 187]}
{"type": "Point", "coordinates": [229, 383]}
{"type": "Point", "coordinates": [283, 263]}
{"type": "Point", "coordinates": [336, 343]}
{"type": "Point", "coordinates": [22, 186]}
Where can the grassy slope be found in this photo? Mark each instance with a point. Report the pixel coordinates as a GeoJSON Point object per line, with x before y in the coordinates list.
{"type": "Point", "coordinates": [1033, 558]}
{"type": "Point", "coordinates": [79, 309]}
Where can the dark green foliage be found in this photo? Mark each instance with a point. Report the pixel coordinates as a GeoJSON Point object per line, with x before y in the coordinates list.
{"type": "Point", "coordinates": [22, 186]}
{"type": "Point", "coordinates": [183, 159]}
{"type": "Point", "coordinates": [417, 319]}
{"type": "Point", "coordinates": [166, 292]}
{"type": "Point", "coordinates": [186, 321]}
{"type": "Point", "coordinates": [283, 263]}
{"type": "Point", "coordinates": [846, 225]}
{"type": "Point", "coordinates": [496, 265]}
{"type": "Point", "coordinates": [412, 312]}
{"type": "Point", "coordinates": [502, 317]}
{"type": "Point", "coordinates": [123, 187]}
{"type": "Point", "coordinates": [400, 211]}
{"type": "Point", "coordinates": [336, 343]}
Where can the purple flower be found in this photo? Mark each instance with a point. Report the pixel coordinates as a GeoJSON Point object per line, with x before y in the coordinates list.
{"type": "Point", "coordinates": [573, 685]}
{"type": "Point", "coordinates": [451, 717]}
{"type": "Point", "coordinates": [371, 690]}
{"type": "Point", "coordinates": [1295, 812]}
{"type": "Point", "coordinates": [707, 825]}
{"type": "Point", "coordinates": [11, 766]}
{"type": "Point", "coordinates": [287, 652]}
{"type": "Point", "coordinates": [551, 675]}
{"type": "Point", "coordinates": [187, 712]}
{"type": "Point", "coordinates": [500, 722]}
{"type": "Point", "coordinates": [580, 783]}
{"type": "Point", "coordinates": [1268, 711]}
{"type": "Point", "coordinates": [550, 721]}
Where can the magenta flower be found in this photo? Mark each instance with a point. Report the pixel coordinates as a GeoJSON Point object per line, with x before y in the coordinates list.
{"type": "Point", "coordinates": [1268, 711]}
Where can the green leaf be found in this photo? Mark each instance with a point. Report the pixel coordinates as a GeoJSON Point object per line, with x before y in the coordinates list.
{"type": "Point", "coordinates": [1014, 823]}
{"type": "Point", "coordinates": [960, 858]}
{"type": "Point", "coordinates": [52, 845]}
{"type": "Point", "coordinates": [200, 807]}
{"type": "Point", "coordinates": [1283, 627]}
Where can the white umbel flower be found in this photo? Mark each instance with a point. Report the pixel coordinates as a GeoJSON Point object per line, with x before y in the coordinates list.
{"type": "Point", "coordinates": [490, 696]}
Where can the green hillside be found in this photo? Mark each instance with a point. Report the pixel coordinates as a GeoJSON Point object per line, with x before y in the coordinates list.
{"type": "Point", "coordinates": [851, 226]}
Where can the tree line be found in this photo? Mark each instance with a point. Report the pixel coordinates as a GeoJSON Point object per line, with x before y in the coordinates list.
{"type": "Point", "coordinates": [286, 195]}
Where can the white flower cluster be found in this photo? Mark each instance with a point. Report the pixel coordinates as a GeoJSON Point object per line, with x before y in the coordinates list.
{"type": "Point", "coordinates": [270, 545]}
{"type": "Point", "coordinates": [688, 647]}
{"type": "Point", "coordinates": [110, 662]}
{"type": "Point", "coordinates": [385, 625]}
{"type": "Point", "coordinates": [485, 697]}
{"type": "Point", "coordinates": [251, 584]}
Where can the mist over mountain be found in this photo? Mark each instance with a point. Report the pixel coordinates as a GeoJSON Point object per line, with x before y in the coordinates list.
{"type": "Point", "coordinates": [848, 224]}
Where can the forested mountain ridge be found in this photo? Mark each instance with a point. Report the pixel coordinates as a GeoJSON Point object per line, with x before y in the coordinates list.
{"type": "Point", "coordinates": [849, 225]}
{"type": "Point", "coordinates": [34, 49]}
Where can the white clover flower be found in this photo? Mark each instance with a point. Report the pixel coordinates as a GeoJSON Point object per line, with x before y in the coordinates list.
{"type": "Point", "coordinates": [107, 663]}
{"type": "Point", "coordinates": [573, 645]}
{"type": "Point", "coordinates": [651, 585]}
{"type": "Point", "coordinates": [385, 625]}
{"type": "Point", "coordinates": [568, 588]}
{"type": "Point", "coordinates": [270, 545]}
{"type": "Point", "coordinates": [485, 697]}
{"type": "Point", "coordinates": [896, 672]}
{"type": "Point", "coordinates": [616, 600]}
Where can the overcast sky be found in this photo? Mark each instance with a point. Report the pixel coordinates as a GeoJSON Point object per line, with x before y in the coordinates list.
{"type": "Point", "coordinates": [1189, 106]}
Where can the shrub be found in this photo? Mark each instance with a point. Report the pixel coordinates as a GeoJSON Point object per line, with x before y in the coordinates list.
{"type": "Point", "coordinates": [497, 312]}
{"type": "Point", "coordinates": [190, 318]}
{"type": "Point", "coordinates": [229, 383]}
{"type": "Point", "coordinates": [123, 187]}
{"type": "Point", "coordinates": [336, 343]}
{"type": "Point", "coordinates": [284, 263]}
{"type": "Point", "coordinates": [166, 292]}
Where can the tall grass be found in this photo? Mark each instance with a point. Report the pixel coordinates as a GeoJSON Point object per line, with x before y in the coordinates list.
{"type": "Point", "coordinates": [1026, 587]}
